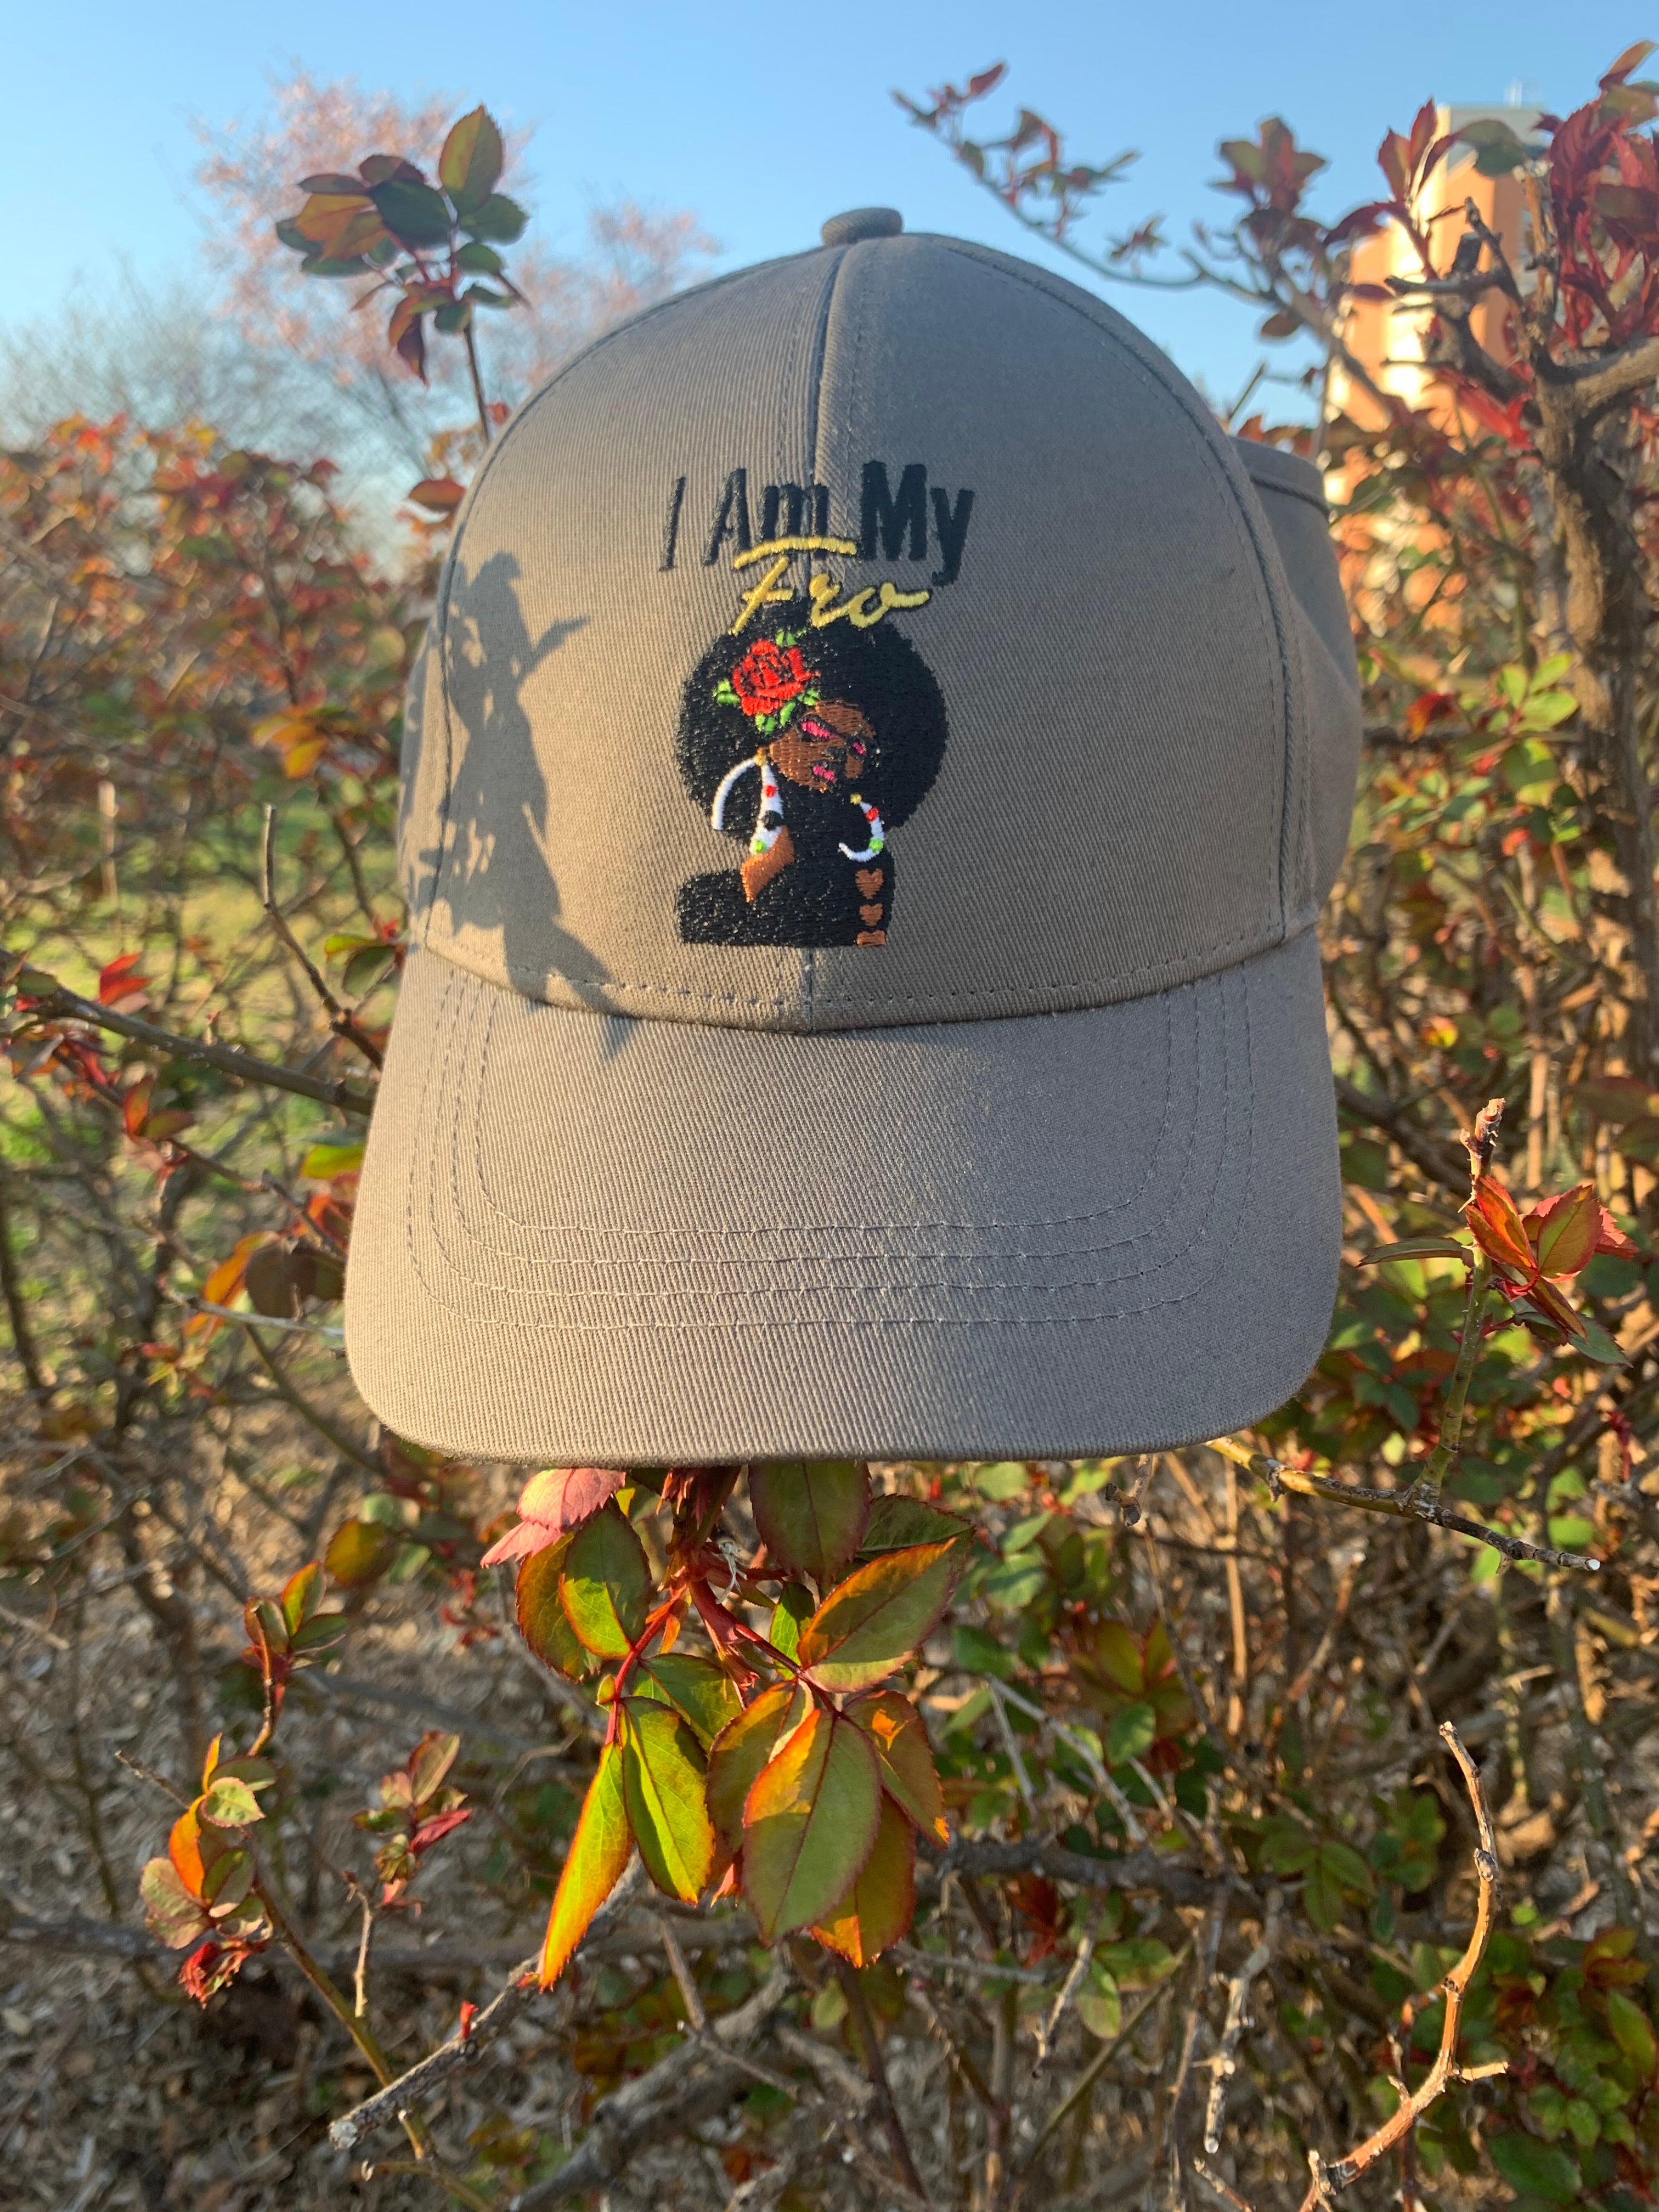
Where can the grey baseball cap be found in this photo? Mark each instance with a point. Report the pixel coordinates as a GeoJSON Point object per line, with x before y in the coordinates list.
{"type": "Point", "coordinates": [877, 758]}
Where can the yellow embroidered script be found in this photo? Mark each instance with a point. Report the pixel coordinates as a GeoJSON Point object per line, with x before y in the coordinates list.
{"type": "Point", "coordinates": [863, 608]}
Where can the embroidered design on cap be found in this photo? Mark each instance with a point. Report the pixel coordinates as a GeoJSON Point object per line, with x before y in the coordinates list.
{"type": "Point", "coordinates": [810, 745]}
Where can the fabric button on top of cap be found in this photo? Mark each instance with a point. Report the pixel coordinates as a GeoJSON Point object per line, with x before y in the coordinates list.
{"type": "Point", "coordinates": [859, 223]}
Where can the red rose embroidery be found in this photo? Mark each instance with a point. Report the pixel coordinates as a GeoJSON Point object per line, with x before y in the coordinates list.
{"type": "Point", "coordinates": [768, 676]}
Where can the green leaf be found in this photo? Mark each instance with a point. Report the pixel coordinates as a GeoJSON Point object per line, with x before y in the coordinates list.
{"type": "Point", "coordinates": [1130, 1733]}
{"type": "Point", "coordinates": [812, 1513]}
{"type": "Point", "coordinates": [229, 1803]}
{"type": "Point", "coordinates": [428, 1763]}
{"type": "Point", "coordinates": [742, 1749]}
{"type": "Point", "coordinates": [1322, 1895]}
{"type": "Point", "coordinates": [904, 1757]}
{"type": "Point", "coordinates": [300, 1595]}
{"type": "Point", "coordinates": [698, 1687]}
{"type": "Point", "coordinates": [479, 259]}
{"type": "Point", "coordinates": [977, 1651]}
{"type": "Point", "coordinates": [319, 1634]}
{"type": "Point", "coordinates": [1594, 1343]}
{"type": "Point", "coordinates": [470, 164]}
{"type": "Point", "coordinates": [896, 1522]}
{"type": "Point", "coordinates": [345, 1155]}
{"type": "Point", "coordinates": [542, 1619]}
{"type": "Point", "coordinates": [1099, 2002]}
{"type": "Point", "coordinates": [599, 1849]}
{"type": "Point", "coordinates": [1288, 1847]}
{"type": "Point", "coordinates": [415, 215]}
{"type": "Point", "coordinates": [1631, 2031]}
{"type": "Point", "coordinates": [663, 1776]}
{"type": "Point", "coordinates": [809, 1824]}
{"type": "Point", "coordinates": [1416, 1247]}
{"type": "Point", "coordinates": [1537, 2169]}
{"type": "Point", "coordinates": [878, 1907]}
{"type": "Point", "coordinates": [226, 1883]}
{"type": "Point", "coordinates": [1116, 1651]}
{"type": "Point", "coordinates": [1138, 1962]}
{"type": "Point", "coordinates": [605, 1584]}
{"type": "Point", "coordinates": [359, 1551]}
{"type": "Point", "coordinates": [871, 1623]}
{"type": "Point", "coordinates": [173, 1915]}
{"type": "Point", "coordinates": [1345, 1866]}
{"type": "Point", "coordinates": [791, 1614]}
{"type": "Point", "coordinates": [499, 219]}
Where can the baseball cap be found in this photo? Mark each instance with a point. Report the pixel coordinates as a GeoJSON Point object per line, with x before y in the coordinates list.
{"type": "Point", "coordinates": [867, 791]}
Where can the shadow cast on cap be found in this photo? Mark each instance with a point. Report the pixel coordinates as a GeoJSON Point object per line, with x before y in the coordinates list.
{"type": "Point", "coordinates": [492, 872]}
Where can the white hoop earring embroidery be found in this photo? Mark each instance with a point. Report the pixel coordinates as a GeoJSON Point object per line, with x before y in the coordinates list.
{"type": "Point", "coordinates": [877, 835]}
{"type": "Point", "coordinates": [769, 821]}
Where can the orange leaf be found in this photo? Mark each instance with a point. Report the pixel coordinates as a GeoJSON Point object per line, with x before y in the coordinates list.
{"type": "Point", "coordinates": [222, 1284]}
{"type": "Point", "coordinates": [184, 1850]}
{"type": "Point", "coordinates": [1496, 1228]}
{"type": "Point", "coordinates": [904, 1756]}
{"type": "Point", "coordinates": [442, 495]}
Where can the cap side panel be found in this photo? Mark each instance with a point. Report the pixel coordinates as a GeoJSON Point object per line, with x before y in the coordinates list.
{"type": "Point", "coordinates": [1300, 526]}
{"type": "Point", "coordinates": [1295, 865]}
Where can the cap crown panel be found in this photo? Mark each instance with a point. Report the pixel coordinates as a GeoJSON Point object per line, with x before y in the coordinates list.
{"type": "Point", "coordinates": [1121, 800]}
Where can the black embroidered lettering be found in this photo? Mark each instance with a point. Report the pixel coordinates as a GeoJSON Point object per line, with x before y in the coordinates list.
{"type": "Point", "coordinates": [789, 500]}
{"type": "Point", "coordinates": [950, 526]}
{"type": "Point", "coordinates": [672, 528]}
{"type": "Point", "coordinates": [889, 519]}
{"type": "Point", "coordinates": [783, 511]}
{"type": "Point", "coordinates": [731, 519]}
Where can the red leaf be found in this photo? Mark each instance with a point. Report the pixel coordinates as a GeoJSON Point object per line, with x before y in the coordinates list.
{"type": "Point", "coordinates": [442, 494]}
{"type": "Point", "coordinates": [1497, 1227]}
{"type": "Point", "coordinates": [520, 1543]}
{"type": "Point", "coordinates": [1611, 1238]}
{"type": "Point", "coordinates": [440, 1825]}
{"type": "Point", "coordinates": [563, 1496]}
{"type": "Point", "coordinates": [1564, 1229]}
{"type": "Point", "coordinates": [116, 981]}
{"type": "Point", "coordinates": [1561, 1309]}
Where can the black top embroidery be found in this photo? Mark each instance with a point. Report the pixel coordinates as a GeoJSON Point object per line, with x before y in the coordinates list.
{"type": "Point", "coordinates": [810, 746]}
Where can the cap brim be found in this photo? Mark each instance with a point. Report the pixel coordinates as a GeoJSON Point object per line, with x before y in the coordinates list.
{"type": "Point", "coordinates": [584, 1239]}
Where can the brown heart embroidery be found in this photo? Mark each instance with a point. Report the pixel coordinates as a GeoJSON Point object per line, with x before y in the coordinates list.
{"type": "Point", "coordinates": [871, 915]}
{"type": "Point", "coordinates": [868, 881]}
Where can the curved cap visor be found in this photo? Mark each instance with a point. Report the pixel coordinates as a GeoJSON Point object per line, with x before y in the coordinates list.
{"type": "Point", "coordinates": [585, 1238]}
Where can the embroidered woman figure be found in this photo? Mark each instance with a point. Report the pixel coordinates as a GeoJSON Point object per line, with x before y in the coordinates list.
{"type": "Point", "coordinates": [810, 747]}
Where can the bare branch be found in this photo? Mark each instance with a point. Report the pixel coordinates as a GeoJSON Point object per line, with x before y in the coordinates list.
{"type": "Point", "coordinates": [69, 1005]}
{"type": "Point", "coordinates": [388, 2106]}
{"type": "Point", "coordinates": [1411, 2107]}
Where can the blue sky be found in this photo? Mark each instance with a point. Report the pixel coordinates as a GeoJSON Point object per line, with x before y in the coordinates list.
{"type": "Point", "coordinates": [763, 120]}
